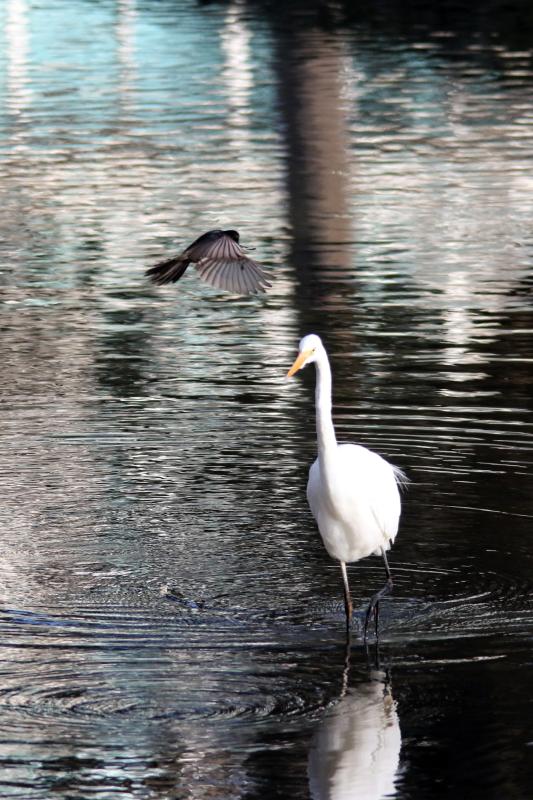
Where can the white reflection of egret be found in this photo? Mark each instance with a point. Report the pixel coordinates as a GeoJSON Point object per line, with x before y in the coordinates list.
{"type": "Point", "coordinates": [356, 749]}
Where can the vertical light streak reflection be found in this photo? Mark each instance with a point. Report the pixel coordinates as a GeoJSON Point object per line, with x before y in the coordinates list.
{"type": "Point", "coordinates": [122, 227]}
{"type": "Point", "coordinates": [125, 33]}
{"type": "Point", "coordinates": [238, 74]}
{"type": "Point", "coordinates": [18, 91]}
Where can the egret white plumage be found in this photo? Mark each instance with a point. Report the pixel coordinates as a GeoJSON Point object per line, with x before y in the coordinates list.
{"type": "Point", "coordinates": [352, 492]}
{"type": "Point", "coordinates": [219, 260]}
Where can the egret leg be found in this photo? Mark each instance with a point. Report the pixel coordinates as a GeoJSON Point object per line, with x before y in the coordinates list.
{"type": "Point", "coordinates": [373, 607]}
{"type": "Point", "coordinates": [347, 599]}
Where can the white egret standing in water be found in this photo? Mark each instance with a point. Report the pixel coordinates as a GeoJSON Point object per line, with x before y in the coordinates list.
{"type": "Point", "coordinates": [353, 492]}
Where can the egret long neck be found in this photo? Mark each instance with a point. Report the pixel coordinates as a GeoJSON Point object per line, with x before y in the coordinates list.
{"type": "Point", "coordinates": [325, 432]}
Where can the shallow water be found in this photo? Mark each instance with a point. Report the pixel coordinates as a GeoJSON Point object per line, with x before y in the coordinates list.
{"type": "Point", "coordinates": [172, 626]}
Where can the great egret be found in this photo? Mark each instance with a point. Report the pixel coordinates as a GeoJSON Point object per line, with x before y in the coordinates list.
{"type": "Point", "coordinates": [353, 492]}
{"type": "Point", "coordinates": [220, 261]}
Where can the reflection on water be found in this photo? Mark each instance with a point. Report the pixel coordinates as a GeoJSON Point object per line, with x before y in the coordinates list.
{"type": "Point", "coordinates": [311, 70]}
{"type": "Point", "coordinates": [18, 93]}
{"type": "Point", "coordinates": [170, 620]}
{"type": "Point", "coordinates": [356, 748]}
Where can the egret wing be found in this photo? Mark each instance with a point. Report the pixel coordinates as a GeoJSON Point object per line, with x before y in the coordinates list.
{"type": "Point", "coordinates": [374, 487]}
{"type": "Point", "coordinates": [384, 498]}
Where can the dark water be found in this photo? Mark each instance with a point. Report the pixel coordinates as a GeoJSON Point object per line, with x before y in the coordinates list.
{"type": "Point", "coordinates": [171, 624]}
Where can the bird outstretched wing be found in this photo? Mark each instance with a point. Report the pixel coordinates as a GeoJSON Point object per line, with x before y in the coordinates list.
{"type": "Point", "coordinates": [240, 275]}
{"type": "Point", "coordinates": [221, 262]}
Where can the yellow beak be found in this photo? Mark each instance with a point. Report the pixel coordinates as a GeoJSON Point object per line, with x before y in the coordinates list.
{"type": "Point", "coordinates": [300, 361]}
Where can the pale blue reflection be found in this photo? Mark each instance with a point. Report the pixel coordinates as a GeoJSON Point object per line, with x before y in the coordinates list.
{"type": "Point", "coordinates": [18, 91]}
{"type": "Point", "coordinates": [130, 130]}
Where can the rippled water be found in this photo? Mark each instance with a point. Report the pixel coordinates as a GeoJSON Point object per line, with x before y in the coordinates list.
{"type": "Point", "coordinates": [171, 624]}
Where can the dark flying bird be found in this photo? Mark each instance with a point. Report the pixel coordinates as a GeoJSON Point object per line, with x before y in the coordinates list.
{"type": "Point", "coordinates": [220, 261]}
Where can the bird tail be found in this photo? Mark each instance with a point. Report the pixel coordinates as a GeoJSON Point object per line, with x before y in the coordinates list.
{"type": "Point", "coordinates": [168, 271]}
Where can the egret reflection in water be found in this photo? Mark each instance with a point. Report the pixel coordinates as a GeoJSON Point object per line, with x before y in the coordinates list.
{"type": "Point", "coordinates": [355, 751]}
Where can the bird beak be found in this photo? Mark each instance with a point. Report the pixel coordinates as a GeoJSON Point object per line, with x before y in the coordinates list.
{"type": "Point", "coordinates": [299, 363]}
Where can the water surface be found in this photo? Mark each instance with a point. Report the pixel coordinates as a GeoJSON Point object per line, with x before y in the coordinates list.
{"type": "Point", "coordinates": [171, 623]}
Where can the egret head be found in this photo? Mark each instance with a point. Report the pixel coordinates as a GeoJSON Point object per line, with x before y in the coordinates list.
{"type": "Point", "coordinates": [308, 350]}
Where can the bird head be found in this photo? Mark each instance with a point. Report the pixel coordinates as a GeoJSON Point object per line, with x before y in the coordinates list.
{"type": "Point", "coordinates": [308, 351]}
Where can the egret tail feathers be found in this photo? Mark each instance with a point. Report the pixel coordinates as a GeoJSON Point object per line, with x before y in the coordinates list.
{"type": "Point", "coordinates": [401, 478]}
